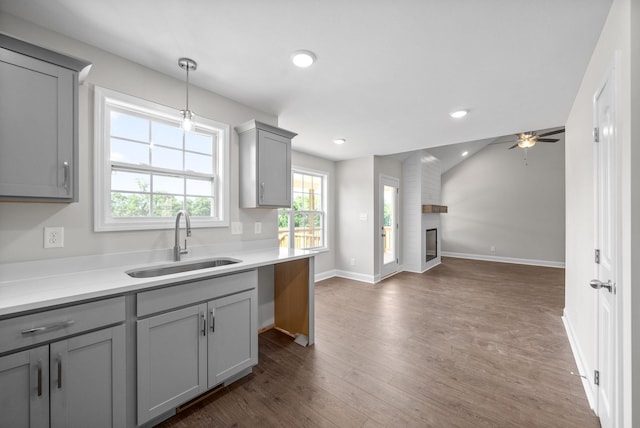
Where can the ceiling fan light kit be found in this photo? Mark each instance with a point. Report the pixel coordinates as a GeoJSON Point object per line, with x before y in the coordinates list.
{"type": "Point", "coordinates": [529, 139]}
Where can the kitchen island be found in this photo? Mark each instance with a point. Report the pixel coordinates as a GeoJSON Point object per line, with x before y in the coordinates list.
{"type": "Point", "coordinates": [182, 325]}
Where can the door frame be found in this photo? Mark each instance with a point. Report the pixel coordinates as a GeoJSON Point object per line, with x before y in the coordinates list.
{"type": "Point", "coordinates": [386, 180]}
{"type": "Point", "coordinates": [611, 77]}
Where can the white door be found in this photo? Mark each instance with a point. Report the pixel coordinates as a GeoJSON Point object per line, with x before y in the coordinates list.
{"type": "Point", "coordinates": [389, 225]}
{"type": "Point", "coordinates": [606, 258]}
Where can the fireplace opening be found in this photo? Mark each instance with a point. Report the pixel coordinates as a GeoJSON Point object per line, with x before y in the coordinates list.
{"type": "Point", "coordinates": [431, 243]}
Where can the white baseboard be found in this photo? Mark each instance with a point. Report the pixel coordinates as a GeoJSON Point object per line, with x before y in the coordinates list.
{"type": "Point", "coordinates": [325, 275]}
{"type": "Point", "coordinates": [532, 262]}
{"type": "Point", "coordinates": [583, 370]}
{"type": "Point", "coordinates": [356, 276]}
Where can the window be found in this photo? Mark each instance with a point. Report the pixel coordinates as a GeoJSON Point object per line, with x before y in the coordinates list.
{"type": "Point", "coordinates": [148, 168]}
{"type": "Point", "coordinates": [303, 226]}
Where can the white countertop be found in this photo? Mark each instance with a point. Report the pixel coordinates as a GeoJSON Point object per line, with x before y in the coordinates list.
{"type": "Point", "coordinates": [33, 286]}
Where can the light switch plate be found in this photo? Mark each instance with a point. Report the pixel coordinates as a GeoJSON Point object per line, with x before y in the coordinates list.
{"type": "Point", "coordinates": [257, 228]}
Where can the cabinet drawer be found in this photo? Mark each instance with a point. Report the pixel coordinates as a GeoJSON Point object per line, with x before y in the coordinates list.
{"type": "Point", "coordinates": [164, 299]}
{"type": "Point", "coordinates": [28, 330]}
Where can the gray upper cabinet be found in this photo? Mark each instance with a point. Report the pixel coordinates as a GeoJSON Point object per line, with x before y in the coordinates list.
{"type": "Point", "coordinates": [38, 122]}
{"type": "Point", "coordinates": [265, 165]}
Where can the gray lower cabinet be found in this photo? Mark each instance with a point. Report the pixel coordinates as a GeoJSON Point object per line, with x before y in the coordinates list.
{"type": "Point", "coordinates": [185, 352]}
{"type": "Point", "coordinates": [233, 337]}
{"type": "Point", "coordinates": [38, 122]}
{"type": "Point", "coordinates": [76, 382]}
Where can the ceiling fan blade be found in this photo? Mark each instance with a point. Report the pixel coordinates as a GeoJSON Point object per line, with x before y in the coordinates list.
{"type": "Point", "coordinates": [547, 140]}
{"type": "Point", "coordinates": [557, 131]}
{"type": "Point", "coordinates": [514, 146]}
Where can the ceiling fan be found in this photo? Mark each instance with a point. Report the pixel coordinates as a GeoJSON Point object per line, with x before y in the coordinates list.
{"type": "Point", "coordinates": [529, 139]}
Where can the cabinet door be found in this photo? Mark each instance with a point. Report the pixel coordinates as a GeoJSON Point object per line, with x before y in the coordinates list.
{"type": "Point", "coordinates": [88, 380]}
{"type": "Point", "coordinates": [24, 389]}
{"type": "Point", "coordinates": [274, 170]}
{"type": "Point", "coordinates": [36, 128]}
{"type": "Point", "coordinates": [171, 360]}
{"type": "Point", "coordinates": [233, 335]}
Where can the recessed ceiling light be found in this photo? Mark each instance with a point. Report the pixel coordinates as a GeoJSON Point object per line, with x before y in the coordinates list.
{"type": "Point", "coordinates": [465, 153]}
{"type": "Point", "coordinates": [303, 59]}
{"type": "Point", "coordinates": [339, 140]}
{"type": "Point", "coordinates": [458, 114]}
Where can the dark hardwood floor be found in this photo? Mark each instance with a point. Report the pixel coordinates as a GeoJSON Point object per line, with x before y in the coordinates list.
{"type": "Point", "coordinates": [466, 344]}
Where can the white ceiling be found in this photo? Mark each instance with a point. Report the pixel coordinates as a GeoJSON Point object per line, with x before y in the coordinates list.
{"type": "Point", "coordinates": [388, 72]}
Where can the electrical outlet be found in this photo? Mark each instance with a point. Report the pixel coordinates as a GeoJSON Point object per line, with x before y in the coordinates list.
{"type": "Point", "coordinates": [353, 262]}
{"type": "Point", "coordinates": [53, 237]}
{"type": "Point", "coordinates": [236, 228]}
{"type": "Point", "coordinates": [257, 228]}
{"type": "Point", "coordinates": [493, 248]}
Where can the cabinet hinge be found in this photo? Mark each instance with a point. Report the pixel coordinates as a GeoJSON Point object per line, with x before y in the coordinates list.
{"type": "Point", "coordinates": [596, 135]}
{"type": "Point", "coordinates": [596, 377]}
{"type": "Point", "coordinates": [597, 256]}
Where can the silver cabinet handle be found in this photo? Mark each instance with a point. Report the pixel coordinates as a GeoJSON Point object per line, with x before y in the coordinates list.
{"type": "Point", "coordinates": [204, 325]}
{"type": "Point", "coordinates": [59, 372]}
{"type": "Point", "coordinates": [39, 386]}
{"type": "Point", "coordinates": [213, 321]}
{"type": "Point", "coordinates": [50, 327]}
{"type": "Point", "coordinates": [262, 191]}
{"type": "Point", "coordinates": [65, 165]}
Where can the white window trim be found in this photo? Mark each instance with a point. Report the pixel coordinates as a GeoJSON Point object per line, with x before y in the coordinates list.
{"type": "Point", "coordinates": [103, 222]}
{"type": "Point", "coordinates": [325, 189]}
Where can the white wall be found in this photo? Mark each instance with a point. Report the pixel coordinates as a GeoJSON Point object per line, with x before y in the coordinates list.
{"type": "Point", "coordinates": [355, 218]}
{"type": "Point", "coordinates": [21, 224]}
{"type": "Point", "coordinates": [497, 199]}
{"type": "Point", "coordinates": [325, 261]}
{"type": "Point", "coordinates": [620, 34]}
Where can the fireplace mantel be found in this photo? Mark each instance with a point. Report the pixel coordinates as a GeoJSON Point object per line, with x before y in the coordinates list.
{"type": "Point", "coordinates": [434, 209]}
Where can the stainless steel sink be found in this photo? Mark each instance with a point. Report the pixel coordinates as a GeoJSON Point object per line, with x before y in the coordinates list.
{"type": "Point", "coordinates": [180, 267]}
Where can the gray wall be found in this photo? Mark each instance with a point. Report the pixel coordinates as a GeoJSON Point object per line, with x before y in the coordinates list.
{"type": "Point", "coordinates": [21, 224]}
{"type": "Point", "coordinates": [497, 199]}
{"type": "Point", "coordinates": [355, 197]}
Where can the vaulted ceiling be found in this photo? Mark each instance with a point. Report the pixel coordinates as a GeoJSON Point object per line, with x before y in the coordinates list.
{"type": "Point", "coordinates": [387, 73]}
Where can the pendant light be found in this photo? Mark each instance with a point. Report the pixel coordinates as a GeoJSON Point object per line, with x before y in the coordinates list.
{"type": "Point", "coordinates": [186, 115]}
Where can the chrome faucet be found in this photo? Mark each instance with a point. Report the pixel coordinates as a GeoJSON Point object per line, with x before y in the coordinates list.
{"type": "Point", "coordinates": [177, 251]}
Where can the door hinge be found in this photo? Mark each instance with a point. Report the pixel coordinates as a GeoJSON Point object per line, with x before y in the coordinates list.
{"type": "Point", "coordinates": [597, 257]}
{"type": "Point", "coordinates": [596, 135]}
{"type": "Point", "coordinates": [596, 377]}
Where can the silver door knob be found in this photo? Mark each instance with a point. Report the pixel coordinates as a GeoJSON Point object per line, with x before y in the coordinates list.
{"type": "Point", "coordinates": [597, 284]}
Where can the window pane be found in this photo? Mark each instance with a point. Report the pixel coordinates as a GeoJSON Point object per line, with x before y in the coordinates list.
{"type": "Point", "coordinates": [129, 204]}
{"type": "Point", "coordinates": [168, 184]}
{"type": "Point", "coordinates": [198, 163]}
{"type": "Point", "coordinates": [166, 158]}
{"type": "Point", "coordinates": [283, 228]}
{"type": "Point", "coordinates": [131, 127]}
{"type": "Point", "coordinates": [199, 187]}
{"type": "Point", "coordinates": [129, 152]}
{"type": "Point", "coordinates": [201, 143]}
{"type": "Point", "coordinates": [199, 207]}
{"type": "Point", "coordinates": [166, 205]}
{"type": "Point", "coordinates": [131, 181]}
{"type": "Point", "coordinates": [308, 231]}
{"type": "Point", "coordinates": [166, 135]}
